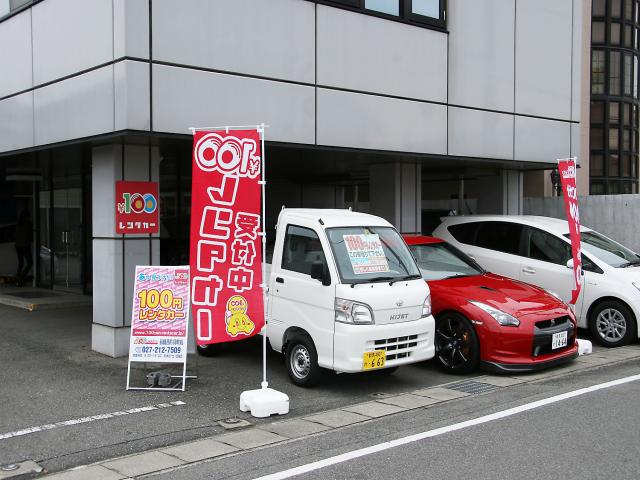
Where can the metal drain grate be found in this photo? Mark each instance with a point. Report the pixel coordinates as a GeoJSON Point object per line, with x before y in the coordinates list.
{"type": "Point", "coordinates": [471, 387]}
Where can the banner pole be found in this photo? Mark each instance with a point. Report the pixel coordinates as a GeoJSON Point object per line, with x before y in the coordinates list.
{"type": "Point", "coordinates": [264, 383]}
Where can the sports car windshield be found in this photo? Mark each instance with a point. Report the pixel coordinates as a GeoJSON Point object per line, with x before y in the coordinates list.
{"type": "Point", "coordinates": [438, 261]}
{"type": "Point", "coordinates": [371, 254]}
{"type": "Point", "coordinates": [607, 250]}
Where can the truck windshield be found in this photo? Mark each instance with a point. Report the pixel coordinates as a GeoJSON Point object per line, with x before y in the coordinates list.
{"type": "Point", "coordinates": [371, 254]}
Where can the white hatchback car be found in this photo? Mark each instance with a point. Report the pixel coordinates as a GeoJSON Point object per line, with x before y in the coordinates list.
{"type": "Point", "coordinates": [537, 250]}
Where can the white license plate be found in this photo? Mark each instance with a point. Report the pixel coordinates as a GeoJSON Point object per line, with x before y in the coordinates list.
{"type": "Point", "coordinates": [558, 340]}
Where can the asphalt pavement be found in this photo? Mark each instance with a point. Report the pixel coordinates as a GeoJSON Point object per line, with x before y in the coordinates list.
{"type": "Point", "coordinates": [77, 401]}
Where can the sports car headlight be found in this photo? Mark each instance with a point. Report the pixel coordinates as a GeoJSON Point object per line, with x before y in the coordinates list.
{"type": "Point", "coordinates": [426, 306]}
{"type": "Point", "coordinates": [347, 311]}
{"type": "Point", "coordinates": [502, 318]}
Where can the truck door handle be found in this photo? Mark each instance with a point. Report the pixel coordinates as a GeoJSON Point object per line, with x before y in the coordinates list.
{"type": "Point", "coordinates": [528, 270]}
{"type": "Point", "coordinates": [279, 279]}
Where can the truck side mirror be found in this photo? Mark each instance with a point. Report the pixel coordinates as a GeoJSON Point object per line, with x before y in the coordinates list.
{"type": "Point", "coordinates": [320, 272]}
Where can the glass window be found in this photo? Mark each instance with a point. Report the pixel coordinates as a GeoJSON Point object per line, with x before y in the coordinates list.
{"type": "Point", "coordinates": [628, 36]}
{"type": "Point", "coordinates": [614, 113]}
{"type": "Point", "coordinates": [615, 33]}
{"type": "Point", "coordinates": [626, 139]}
{"type": "Point", "coordinates": [614, 140]}
{"type": "Point", "coordinates": [596, 188]}
{"type": "Point", "coordinates": [426, 8]}
{"type": "Point", "coordinates": [465, 232]}
{"type": "Point", "coordinates": [599, 8]}
{"type": "Point", "coordinates": [390, 7]}
{"type": "Point", "coordinates": [626, 114]}
{"type": "Point", "coordinates": [626, 165]}
{"type": "Point", "coordinates": [397, 264]}
{"type": "Point", "coordinates": [628, 74]}
{"type": "Point", "coordinates": [438, 261]}
{"type": "Point", "coordinates": [614, 73]}
{"type": "Point", "coordinates": [597, 72]}
{"type": "Point", "coordinates": [613, 187]}
{"type": "Point", "coordinates": [597, 32]}
{"type": "Point", "coordinates": [616, 8]}
{"type": "Point", "coordinates": [597, 112]}
{"type": "Point", "coordinates": [627, 187]}
{"type": "Point", "coordinates": [499, 236]}
{"type": "Point", "coordinates": [596, 138]}
{"type": "Point", "coordinates": [597, 165]}
{"type": "Point", "coordinates": [614, 165]}
{"type": "Point", "coordinates": [628, 10]}
{"type": "Point", "coordinates": [302, 248]}
{"type": "Point", "coordinates": [546, 247]}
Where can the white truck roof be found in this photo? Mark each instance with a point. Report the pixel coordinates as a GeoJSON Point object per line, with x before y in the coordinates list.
{"type": "Point", "coordinates": [332, 217]}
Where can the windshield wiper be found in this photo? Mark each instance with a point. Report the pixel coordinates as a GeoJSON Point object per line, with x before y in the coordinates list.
{"type": "Point", "coordinates": [379, 279]}
{"type": "Point", "coordinates": [460, 275]}
{"type": "Point", "coordinates": [630, 264]}
{"type": "Point", "coordinates": [415, 276]}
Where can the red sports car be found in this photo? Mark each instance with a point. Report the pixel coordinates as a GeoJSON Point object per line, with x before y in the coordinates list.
{"type": "Point", "coordinates": [489, 320]}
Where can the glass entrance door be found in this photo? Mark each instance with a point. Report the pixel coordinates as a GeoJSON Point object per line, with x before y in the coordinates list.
{"type": "Point", "coordinates": [67, 232]}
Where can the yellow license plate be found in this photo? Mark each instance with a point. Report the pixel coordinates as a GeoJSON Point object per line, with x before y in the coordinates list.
{"type": "Point", "coordinates": [375, 359]}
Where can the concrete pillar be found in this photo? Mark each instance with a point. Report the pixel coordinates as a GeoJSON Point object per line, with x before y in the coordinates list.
{"type": "Point", "coordinates": [395, 193]}
{"type": "Point", "coordinates": [114, 256]}
{"type": "Point", "coordinates": [512, 192]}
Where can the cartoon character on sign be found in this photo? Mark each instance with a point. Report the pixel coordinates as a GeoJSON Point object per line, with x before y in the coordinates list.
{"type": "Point", "coordinates": [236, 318]}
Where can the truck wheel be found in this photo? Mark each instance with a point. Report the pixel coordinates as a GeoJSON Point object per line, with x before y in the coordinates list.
{"type": "Point", "coordinates": [210, 350]}
{"type": "Point", "coordinates": [457, 346]}
{"type": "Point", "coordinates": [302, 362]}
{"type": "Point", "coordinates": [612, 324]}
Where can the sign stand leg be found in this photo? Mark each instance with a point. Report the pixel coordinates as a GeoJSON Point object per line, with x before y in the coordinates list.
{"type": "Point", "coordinates": [264, 401]}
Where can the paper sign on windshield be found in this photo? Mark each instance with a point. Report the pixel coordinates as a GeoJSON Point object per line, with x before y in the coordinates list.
{"type": "Point", "coordinates": [366, 254]}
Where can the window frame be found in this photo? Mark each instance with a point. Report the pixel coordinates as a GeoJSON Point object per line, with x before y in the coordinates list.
{"type": "Point", "coordinates": [284, 247]}
{"type": "Point", "coordinates": [404, 9]}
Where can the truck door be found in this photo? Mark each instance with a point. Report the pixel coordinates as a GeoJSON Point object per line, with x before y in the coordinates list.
{"type": "Point", "coordinates": [297, 300]}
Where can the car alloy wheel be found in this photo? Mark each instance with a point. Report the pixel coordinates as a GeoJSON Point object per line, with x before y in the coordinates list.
{"type": "Point", "coordinates": [456, 344]}
{"type": "Point", "coordinates": [611, 325]}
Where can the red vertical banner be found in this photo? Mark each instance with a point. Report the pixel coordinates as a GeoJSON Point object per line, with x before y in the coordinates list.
{"type": "Point", "coordinates": [567, 169]}
{"type": "Point", "coordinates": [225, 242]}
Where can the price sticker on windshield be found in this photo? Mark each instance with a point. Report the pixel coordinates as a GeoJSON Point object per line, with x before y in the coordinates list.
{"type": "Point", "coordinates": [365, 253]}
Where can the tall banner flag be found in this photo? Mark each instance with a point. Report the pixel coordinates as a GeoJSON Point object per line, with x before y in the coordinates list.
{"type": "Point", "coordinates": [567, 169]}
{"type": "Point", "coordinates": [225, 244]}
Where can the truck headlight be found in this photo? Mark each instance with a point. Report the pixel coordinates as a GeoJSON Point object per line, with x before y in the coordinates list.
{"type": "Point", "coordinates": [426, 306]}
{"type": "Point", "coordinates": [501, 317]}
{"type": "Point", "coordinates": [347, 311]}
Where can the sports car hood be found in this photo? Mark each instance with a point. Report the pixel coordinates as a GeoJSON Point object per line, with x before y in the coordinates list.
{"type": "Point", "coordinates": [510, 296]}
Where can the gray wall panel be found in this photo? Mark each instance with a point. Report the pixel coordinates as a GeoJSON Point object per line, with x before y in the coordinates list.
{"type": "Point", "coordinates": [476, 133]}
{"type": "Point", "coordinates": [70, 36]}
{"type": "Point", "coordinates": [184, 98]}
{"type": "Point", "coordinates": [78, 107]}
{"type": "Point", "coordinates": [131, 28]}
{"type": "Point", "coordinates": [481, 47]}
{"type": "Point", "coordinates": [576, 73]}
{"type": "Point", "coordinates": [543, 58]}
{"type": "Point", "coordinates": [15, 54]}
{"type": "Point", "coordinates": [273, 39]}
{"type": "Point", "coordinates": [540, 140]}
{"type": "Point", "coordinates": [360, 52]}
{"type": "Point", "coordinates": [131, 81]}
{"type": "Point", "coordinates": [16, 122]}
{"type": "Point", "coordinates": [366, 121]}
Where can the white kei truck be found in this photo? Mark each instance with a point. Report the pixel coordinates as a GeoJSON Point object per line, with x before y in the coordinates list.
{"type": "Point", "coordinates": [345, 294]}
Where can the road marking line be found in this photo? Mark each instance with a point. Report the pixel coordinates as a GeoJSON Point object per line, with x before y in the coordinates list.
{"type": "Point", "coordinates": [93, 418]}
{"type": "Point", "coordinates": [344, 457]}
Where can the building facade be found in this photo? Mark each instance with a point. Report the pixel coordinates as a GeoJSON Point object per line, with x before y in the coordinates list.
{"type": "Point", "coordinates": [404, 109]}
{"type": "Point", "coordinates": [614, 97]}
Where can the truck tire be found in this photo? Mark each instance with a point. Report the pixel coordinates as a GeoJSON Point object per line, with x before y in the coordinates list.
{"type": "Point", "coordinates": [302, 362]}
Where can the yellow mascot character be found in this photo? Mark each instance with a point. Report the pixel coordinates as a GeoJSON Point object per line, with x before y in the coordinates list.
{"type": "Point", "coordinates": [236, 318]}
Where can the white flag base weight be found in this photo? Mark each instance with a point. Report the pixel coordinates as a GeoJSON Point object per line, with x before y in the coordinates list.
{"type": "Point", "coordinates": [584, 346]}
{"type": "Point", "coordinates": [264, 402]}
